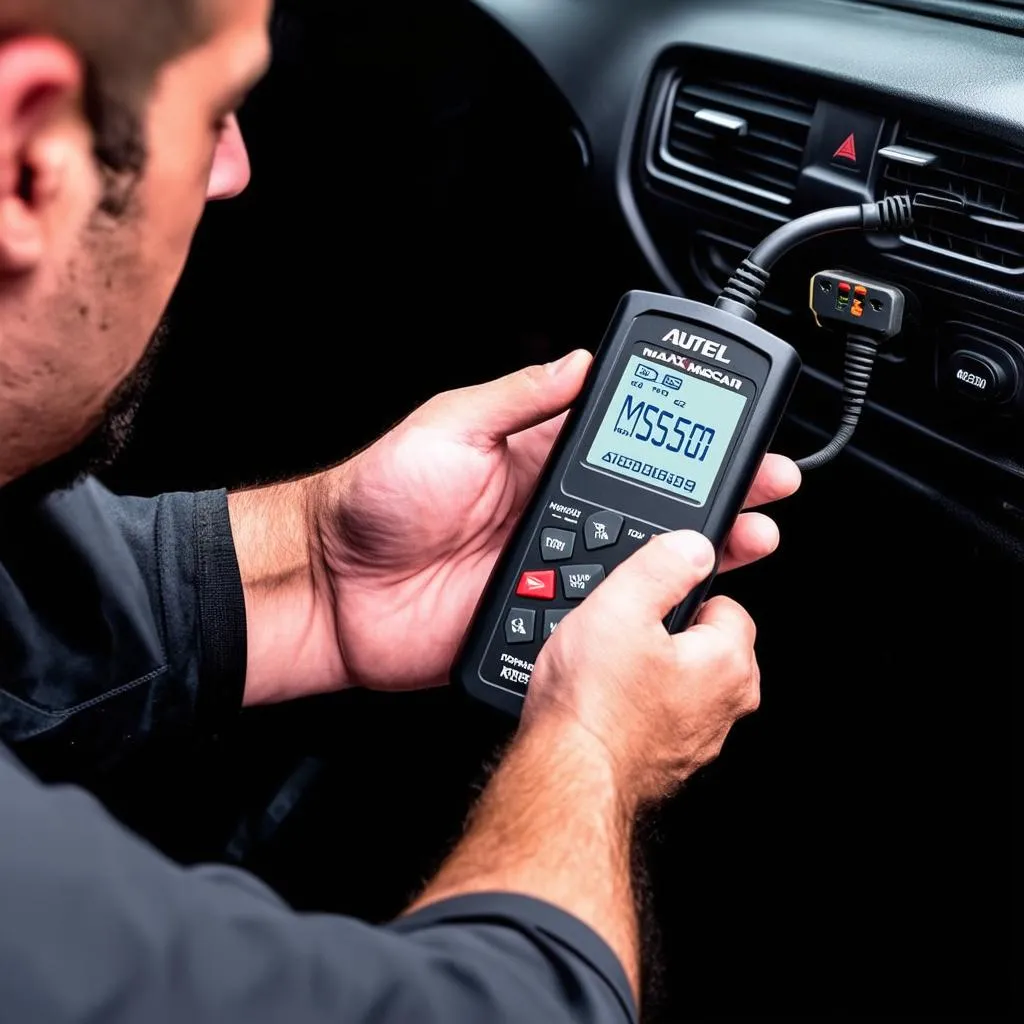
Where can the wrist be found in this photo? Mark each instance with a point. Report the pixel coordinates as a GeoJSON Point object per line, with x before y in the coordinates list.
{"type": "Point", "coordinates": [292, 647]}
{"type": "Point", "coordinates": [596, 770]}
{"type": "Point", "coordinates": [314, 497]}
{"type": "Point", "coordinates": [553, 824]}
{"type": "Point", "coordinates": [327, 504]}
{"type": "Point", "coordinates": [598, 744]}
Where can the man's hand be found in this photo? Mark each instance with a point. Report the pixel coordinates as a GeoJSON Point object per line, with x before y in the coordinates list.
{"type": "Point", "coordinates": [613, 721]}
{"type": "Point", "coordinates": [392, 550]}
{"type": "Point", "coordinates": [412, 527]}
{"type": "Point", "coordinates": [663, 704]}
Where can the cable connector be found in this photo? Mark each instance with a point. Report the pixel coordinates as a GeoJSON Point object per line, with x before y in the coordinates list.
{"type": "Point", "coordinates": [871, 307]}
{"type": "Point", "coordinates": [871, 313]}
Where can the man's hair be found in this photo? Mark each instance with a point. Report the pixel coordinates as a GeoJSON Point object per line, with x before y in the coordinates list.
{"type": "Point", "coordinates": [122, 44]}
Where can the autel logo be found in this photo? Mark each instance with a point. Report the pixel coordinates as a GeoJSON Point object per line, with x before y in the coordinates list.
{"type": "Point", "coordinates": [698, 345]}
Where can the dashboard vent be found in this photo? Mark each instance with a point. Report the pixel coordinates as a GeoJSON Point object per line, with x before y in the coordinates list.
{"type": "Point", "coordinates": [734, 141]}
{"type": "Point", "coordinates": [987, 175]}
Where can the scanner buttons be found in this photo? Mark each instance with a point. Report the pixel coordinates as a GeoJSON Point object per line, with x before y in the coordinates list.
{"type": "Point", "coordinates": [525, 625]}
{"type": "Point", "coordinates": [539, 585]}
{"type": "Point", "coordinates": [557, 545]}
{"type": "Point", "coordinates": [520, 626]}
{"type": "Point", "coordinates": [552, 619]}
{"type": "Point", "coordinates": [579, 581]}
{"type": "Point", "coordinates": [602, 530]}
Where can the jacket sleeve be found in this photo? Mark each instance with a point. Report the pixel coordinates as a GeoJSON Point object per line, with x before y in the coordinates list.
{"type": "Point", "coordinates": [121, 620]}
{"type": "Point", "coordinates": [96, 926]}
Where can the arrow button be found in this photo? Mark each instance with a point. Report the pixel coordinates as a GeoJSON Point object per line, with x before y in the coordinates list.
{"type": "Point", "coordinates": [538, 585]}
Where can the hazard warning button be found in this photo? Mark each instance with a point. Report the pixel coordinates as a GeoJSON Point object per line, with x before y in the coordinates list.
{"type": "Point", "coordinates": [848, 150]}
{"type": "Point", "coordinates": [845, 139]}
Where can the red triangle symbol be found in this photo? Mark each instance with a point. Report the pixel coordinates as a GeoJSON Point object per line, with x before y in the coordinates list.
{"type": "Point", "coordinates": [848, 150]}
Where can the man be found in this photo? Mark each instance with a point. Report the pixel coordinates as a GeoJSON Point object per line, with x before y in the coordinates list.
{"type": "Point", "coordinates": [125, 621]}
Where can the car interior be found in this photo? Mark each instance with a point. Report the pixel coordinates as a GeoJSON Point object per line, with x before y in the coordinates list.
{"type": "Point", "coordinates": [446, 192]}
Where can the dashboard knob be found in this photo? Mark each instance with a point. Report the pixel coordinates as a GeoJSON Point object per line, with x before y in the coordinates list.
{"type": "Point", "coordinates": [985, 374]}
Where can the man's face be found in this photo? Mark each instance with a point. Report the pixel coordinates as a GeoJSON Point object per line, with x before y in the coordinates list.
{"type": "Point", "coordinates": [82, 291]}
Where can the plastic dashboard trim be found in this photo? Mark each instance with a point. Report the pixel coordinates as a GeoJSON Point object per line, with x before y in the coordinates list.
{"type": "Point", "coordinates": [605, 56]}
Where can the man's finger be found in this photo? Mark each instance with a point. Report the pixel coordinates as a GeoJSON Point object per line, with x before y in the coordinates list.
{"type": "Point", "coordinates": [754, 537]}
{"type": "Point", "coordinates": [727, 617]}
{"type": "Point", "coordinates": [530, 450]}
{"type": "Point", "coordinates": [489, 413]}
{"type": "Point", "coordinates": [541, 437]}
{"type": "Point", "coordinates": [777, 478]}
{"type": "Point", "coordinates": [657, 577]}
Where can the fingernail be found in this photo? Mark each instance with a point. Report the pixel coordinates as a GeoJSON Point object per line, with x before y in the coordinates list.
{"type": "Point", "coordinates": [555, 368]}
{"type": "Point", "coordinates": [694, 547]}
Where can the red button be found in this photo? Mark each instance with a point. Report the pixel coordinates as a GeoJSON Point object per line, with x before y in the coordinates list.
{"type": "Point", "coordinates": [848, 150]}
{"type": "Point", "coordinates": [539, 585]}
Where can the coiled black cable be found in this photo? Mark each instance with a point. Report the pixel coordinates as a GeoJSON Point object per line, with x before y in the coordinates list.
{"type": "Point", "coordinates": [861, 350]}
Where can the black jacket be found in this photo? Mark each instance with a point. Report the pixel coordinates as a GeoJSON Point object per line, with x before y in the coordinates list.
{"type": "Point", "coordinates": [121, 621]}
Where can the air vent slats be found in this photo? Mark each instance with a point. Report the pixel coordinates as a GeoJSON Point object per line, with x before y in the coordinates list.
{"type": "Point", "coordinates": [768, 157]}
{"type": "Point", "coordinates": [758, 168]}
{"type": "Point", "coordinates": [985, 194]}
{"type": "Point", "coordinates": [682, 127]}
{"type": "Point", "coordinates": [743, 104]}
{"type": "Point", "coordinates": [790, 145]}
{"type": "Point", "coordinates": [696, 143]}
{"type": "Point", "coordinates": [987, 176]}
{"type": "Point", "coordinates": [980, 149]}
{"type": "Point", "coordinates": [769, 181]}
{"type": "Point", "coordinates": [761, 92]}
{"type": "Point", "coordinates": [792, 149]}
{"type": "Point", "coordinates": [954, 240]}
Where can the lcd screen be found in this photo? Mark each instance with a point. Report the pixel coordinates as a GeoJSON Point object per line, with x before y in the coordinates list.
{"type": "Point", "coordinates": [668, 428]}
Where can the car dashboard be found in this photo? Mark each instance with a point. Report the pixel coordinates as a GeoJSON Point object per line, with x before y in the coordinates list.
{"type": "Point", "coordinates": [840, 102]}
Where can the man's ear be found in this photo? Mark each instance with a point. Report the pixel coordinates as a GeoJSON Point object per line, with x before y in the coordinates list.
{"type": "Point", "coordinates": [40, 83]}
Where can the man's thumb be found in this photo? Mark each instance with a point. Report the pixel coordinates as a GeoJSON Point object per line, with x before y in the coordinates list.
{"type": "Point", "coordinates": [496, 410]}
{"type": "Point", "coordinates": [661, 574]}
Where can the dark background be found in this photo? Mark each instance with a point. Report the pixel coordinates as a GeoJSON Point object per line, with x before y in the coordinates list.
{"type": "Point", "coordinates": [416, 185]}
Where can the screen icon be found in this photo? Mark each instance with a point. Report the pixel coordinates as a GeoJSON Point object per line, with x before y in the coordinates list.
{"type": "Point", "coordinates": [675, 383]}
